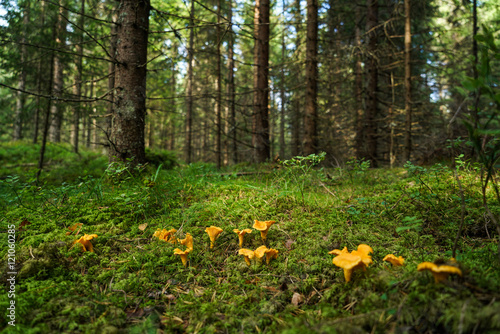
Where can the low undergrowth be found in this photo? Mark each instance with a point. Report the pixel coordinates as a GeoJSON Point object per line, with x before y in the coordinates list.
{"type": "Point", "coordinates": [134, 283]}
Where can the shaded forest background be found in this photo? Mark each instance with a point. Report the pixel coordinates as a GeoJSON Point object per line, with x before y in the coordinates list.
{"type": "Point", "coordinates": [386, 81]}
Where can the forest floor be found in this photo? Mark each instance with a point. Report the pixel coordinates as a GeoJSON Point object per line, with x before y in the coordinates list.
{"type": "Point", "coordinates": [134, 283]}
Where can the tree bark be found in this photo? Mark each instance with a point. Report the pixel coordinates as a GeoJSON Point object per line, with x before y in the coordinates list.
{"type": "Point", "coordinates": [311, 115]}
{"type": "Point", "coordinates": [127, 130]}
{"type": "Point", "coordinates": [111, 69]}
{"type": "Point", "coordinates": [358, 87]}
{"type": "Point", "coordinates": [77, 88]}
{"type": "Point", "coordinates": [282, 89]}
{"type": "Point", "coordinates": [189, 91]}
{"type": "Point", "coordinates": [231, 123]}
{"type": "Point", "coordinates": [296, 110]}
{"type": "Point", "coordinates": [407, 141]}
{"type": "Point", "coordinates": [371, 111]}
{"type": "Point", "coordinates": [260, 133]}
{"type": "Point", "coordinates": [58, 79]}
{"type": "Point", "coordinates": [20, 99]}
{"type": "Point", "coordinates": [218, 89]}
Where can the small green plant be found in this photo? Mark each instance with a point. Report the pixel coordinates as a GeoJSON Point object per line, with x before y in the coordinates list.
{"type": "Point", "coordinates": [356, 169]}
{"type": "Point", "coordinates": [297, 170]}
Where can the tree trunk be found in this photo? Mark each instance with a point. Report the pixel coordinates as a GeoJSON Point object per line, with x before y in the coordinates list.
{"type": "Point", "coordinates": [18, 120]}
{"type": "Point", "coordinates": [371, 111]}
{"type": "Point", "coordinates": [358, 88]}
{"type": "Point", "coordinates": [407, 142]}
{"type": "Point", "coordinates": [296, 110]}
{"type": "Point", "coordinates": [231, 123]}
{"type": "Point", "coordinates": [218, 96]}
{"type": "Point", "coordinates": [311, 115]}
{"type": "Point", "coordinates": [127, 130]}
{"type": "Point", "coordinates": [189, 90]}
{"type": "Point", "coordinates": [57, 110]}
{"type": "Point", "coordinates": [260, 133]}
{"type": "Point", "coordinates": [111, 70]}
{"type": "Point", "coordinates": [282, 89]}
{"type": "Point", "coordinates": [77, 88]}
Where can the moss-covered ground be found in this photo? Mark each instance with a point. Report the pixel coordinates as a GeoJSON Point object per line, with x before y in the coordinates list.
{"type": "Point", "coordinates": [133, 282]}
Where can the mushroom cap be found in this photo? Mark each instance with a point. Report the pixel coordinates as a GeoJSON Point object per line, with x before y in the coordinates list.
{"type": "Point", "coordinates": [396, 261]}
{"type": "Point", "coordinates": [242, 232]}
{"type": "Point", "coordinates": [260, 252]}
{"type": "Point", "coordinates": [187, 241]}
{"type": "Point", "coordinates": [263, 225]}
{"type": "Point", "coordinates": [85, 242]}
{"type": "Point", "coordinates": [338, 251]}
{"type": "Point", "coordinates": [89, 237]}
{"type": "Point", "coordinates": [177, 251]}
{"type": "Point", "coordinates": [365, 249]}
{"type": "Point", "coordinates": [440, 272]}
{"type": "Point", "coordinates": [246, 252]}
{"type": "Point", "coordinates": [348, 261]}
{"type": "Point", "coordinates": [213, 232]}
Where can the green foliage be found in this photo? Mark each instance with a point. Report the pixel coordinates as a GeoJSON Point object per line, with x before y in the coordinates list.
{"type": "Point", "coordinates": [134, 283]}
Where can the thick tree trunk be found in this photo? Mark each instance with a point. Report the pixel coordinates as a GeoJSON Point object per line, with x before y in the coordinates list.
{"type": "Point", "coordinates": [77, 88]}
{"type": "Point", "coordinates": [111, 70]}
{"type": "Point", "coordinates": [260, 135]}
{"type": "Point", "coordinates": [57, 111]}
{"type": "Point", "coordinates": [407, 142]}
{"type": "Point", "coordinates": [311, 115]}
{"type": "Point", "coordinates": [370, 126]}
{"type": "Point", "coordinates": [189, 91]}
{"type": "Point", "coordinates": [127, 130]}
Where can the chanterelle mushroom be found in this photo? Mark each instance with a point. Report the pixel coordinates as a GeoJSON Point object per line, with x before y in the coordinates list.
{"type": "Point", "coordinates": [247, 253]}
{"type": "Point", "coordinates": [183, 255]}
{"type": "Point", "coordinates": [396, 261]}
{"type": "Point", "coordinates": [85, 242]}
{"type": "Point", "coordinates": [263, 227]}
{"type": "Point", "coordinates": [348, 262]}
{"type": "Point", "coordinates": [241, 234]}
{"type": "Point", "coordinates": [439, 271]}
{"type": "Point", "coordinates": [213, 234]}
{"type": "Point", "coordinates": [187, 241]}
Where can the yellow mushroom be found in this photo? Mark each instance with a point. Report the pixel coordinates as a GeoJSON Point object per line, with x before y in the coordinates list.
{"type": "Point", "coordinates": [396, 261]}
{"type": "Point", "coordinates": [271, 253]}
{"type": "Point", "coordinates": [213, 234]}
{"type": "Point", "coordinates": [263, 227]}
{"type": "Point", "coordinates": [363, 251]}
{"type": "Point", "coordinates": [247, 253]}
{"type": "Point", "coordinates": [85, 242]}
{"type": "Point", "coordinates": [241, 234]}
{"type": "Point", "coordinates": [348, 262]}
{"type": "Point", "coordinates": [165, 235]}
{"type": "Point", "coordinates": [439, 271]}
{"type": "Point", "coordinates": [260, 252]}
{"type": "Point", "coordinates": [183, 255]}
{"type": "Point", "coordinates": [338, 251]}
{"type": "Point", "coordinates": [188, 241]}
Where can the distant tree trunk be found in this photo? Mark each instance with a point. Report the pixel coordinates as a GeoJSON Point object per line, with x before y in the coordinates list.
{"type": "Point", "coordinates": [296, 110]}
{"type": "Point", "coordinates": [77, 88]}
{"type": "Point", "coordinates": [218, 96]}
{"type": "Point", "coordinates": [189, 90]}
{"type": "Point", "coordinates": [407, 142]}
{"type": "Point", "coordinates": [127, 130]}
{"type": "Point", "coordinates": [173, 105]}
{"type": "Point", "coordinates": [57, 111]}
{"type": "Point", "coordinates": [370, 127]}
{"type": "Point", "coordinates": [311, 115]}
{"type": "Point", "coordinates": [260, 135]}
{"type": "Point", "coordinates": [475, 110]}
{"type": "Point", "coordinates": [18, 120]}
{"type": "Point", "coordinates": [39, 78]}
{"type": "Point", "coordinates": [358, 87]}
{"type": "Point", "coordinates": [282, 89]}
{"type": "Point", "coordinates": [231, 132]}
